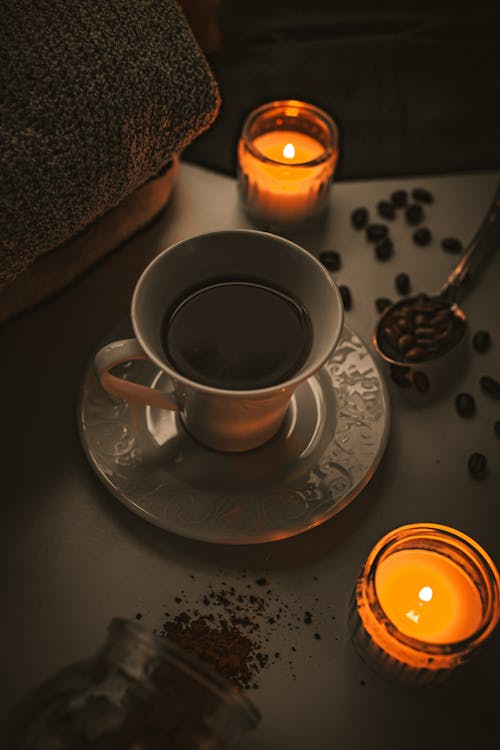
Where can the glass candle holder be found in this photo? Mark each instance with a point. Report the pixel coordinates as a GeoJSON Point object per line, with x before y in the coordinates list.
{"type": "Point", "coordinates": [427, 597]}
{"type": "Point", "coordinates": [287, 155]}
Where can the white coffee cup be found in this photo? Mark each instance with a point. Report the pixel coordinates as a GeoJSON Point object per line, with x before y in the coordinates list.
{"type": "Point", "coordinates": [220, 418]}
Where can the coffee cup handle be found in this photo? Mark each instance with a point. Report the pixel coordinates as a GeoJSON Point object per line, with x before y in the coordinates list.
{"type": "Point", "coordinates": [124, 351]}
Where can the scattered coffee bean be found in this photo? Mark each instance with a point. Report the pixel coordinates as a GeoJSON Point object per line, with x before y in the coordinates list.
{"type": "Point", "coordinates": [414, 214]}
{"type": "Point", "coordinates": [359, 218]}
{"type": "Point", "coordinates": [345, 293]}
{"type": "Point", "coordinates": [376, 232]}
{"type": "Point", "coordinates": [422, 236]}
{"type": "Point", "coordinates": [465, 405]}
{"type": "Point", "coordinates": [422, 195]}
{"type": "Point", "coordinates": [403, 283]}
{"type": "Point", "coordinates": [452, 245]}
{"type": "Point", "coordinates": [400, 376]}
{"type": "Point", "coordinates": [421, 381]}
{"type": "Point", "coordinates": [477, 464]}
{"type": "Point", "coordinates": [399, 198]}
{"type": "Point", "coordinates": [490, 386]}
{"type": "Point", "coordinates": [481, 341]}
{"type": "Point", "coordinates": [382, 303]}
{"type": "Point", "coordinates": [386, 210]}
{"type": "Point", "coordinates": [497, 428]}
{"type": "Point", "coordinates": [331, 260]}
{"type": "Point", "coordinates": [384, 250]}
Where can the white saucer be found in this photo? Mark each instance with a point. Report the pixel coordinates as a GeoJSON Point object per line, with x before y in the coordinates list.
{"type": "Point", "coordinates": [329, 447]}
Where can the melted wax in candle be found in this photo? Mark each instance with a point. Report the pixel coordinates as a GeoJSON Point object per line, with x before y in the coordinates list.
{"type": "Point", "coordinates": [427, 596]}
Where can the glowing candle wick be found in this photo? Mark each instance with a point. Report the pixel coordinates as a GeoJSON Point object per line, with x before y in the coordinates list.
{"type": "Point", "coordinates": [425, 595]}
{"type": "Point", "coordinates": [289, 151]}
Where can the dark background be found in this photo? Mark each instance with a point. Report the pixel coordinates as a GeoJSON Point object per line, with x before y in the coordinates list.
{"type": "Point", "coordinates": [414, 88]}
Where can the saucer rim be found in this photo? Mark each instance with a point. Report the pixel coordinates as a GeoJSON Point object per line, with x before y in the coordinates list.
{"type": "Point", "coordinates": [236, 540]}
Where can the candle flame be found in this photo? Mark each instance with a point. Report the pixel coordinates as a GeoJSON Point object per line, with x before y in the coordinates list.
{"type": "Point", "coordinates": [289, 151]}
{"type": "Point", "coordinates": [425, 594]}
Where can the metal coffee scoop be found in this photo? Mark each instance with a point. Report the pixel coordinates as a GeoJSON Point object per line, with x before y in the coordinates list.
{"type": "Point", "coordinates": [423, 338]}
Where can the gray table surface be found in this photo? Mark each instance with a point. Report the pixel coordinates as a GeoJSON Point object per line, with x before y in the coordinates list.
{"type": "Point", "coordinates": [72, 557]}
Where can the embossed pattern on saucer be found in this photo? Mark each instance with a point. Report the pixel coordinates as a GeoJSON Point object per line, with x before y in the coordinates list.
{"type": "Point", "coordinates": [328, 448]}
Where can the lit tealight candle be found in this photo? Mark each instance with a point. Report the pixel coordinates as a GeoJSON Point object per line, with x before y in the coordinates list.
{"type": "Point", "coordinates": [286, 159]}
{"type": "Point", "coordinates": [427, 597]}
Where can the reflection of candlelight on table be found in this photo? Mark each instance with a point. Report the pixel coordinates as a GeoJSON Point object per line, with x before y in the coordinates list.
{"type": "Point", "coordinates": [287, 155]}
{"type": "Point", "coordinates": [427, 597]}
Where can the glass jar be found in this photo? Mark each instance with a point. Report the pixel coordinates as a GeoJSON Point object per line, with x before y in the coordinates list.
{"type": "Point", "coordinates": [139, 692]}
{"type": "Point", "coordinates": [287, 154]}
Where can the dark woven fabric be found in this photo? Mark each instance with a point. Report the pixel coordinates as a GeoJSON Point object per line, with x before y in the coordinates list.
{"type": "Point", "coordinates": [413, 86]}
{"type": "Point", "coordinates": [96, 97]}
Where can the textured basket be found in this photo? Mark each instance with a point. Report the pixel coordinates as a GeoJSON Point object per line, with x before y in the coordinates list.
{"type": "Point", "coordinates": [98, 99]}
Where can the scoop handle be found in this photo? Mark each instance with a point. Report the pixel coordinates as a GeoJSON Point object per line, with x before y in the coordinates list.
{"type": "Point", "coordinates": [486, 239]}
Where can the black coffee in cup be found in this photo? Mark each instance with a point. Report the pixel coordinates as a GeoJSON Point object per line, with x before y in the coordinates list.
{"type": "Point", "coordinates": [224, 315]}
{"type": "Point", "coordinates": [237, 335]}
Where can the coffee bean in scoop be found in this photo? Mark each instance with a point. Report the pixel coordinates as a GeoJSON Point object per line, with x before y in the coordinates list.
{"type": "Point", "coordinates": [422, 236]}
{"type": "Point", "coordinates": [331, 260]}
{"type": "Point", "coordinates": [403, 283]}
{"type": "Point", "coordinates": [481, 341]}
{"type": "Point", "coordinates": [359, 217]}
{"type": "Point", "coordinates": [452, 245]}
{"type": "Point", "coordinates": [419, 329]}
{"type": "Point", "coordinates": [477, 464]}
{"type": "Point", "coordinates": [414, 214]}
{"type": "Point", "coordinates": [345, 293]}
{"type": "Point", "coordinates": [399, 198]}
{"type": "Point", "coordinates": [382, 303]}
{"type": "Point", "coordinates": [386, 210]}
{"type": "Point", "coordinates": [384, 249]}
{"type": "Point", "coordinates": [415, 353]}
{"type": "Point", "coordinates": [465, 405]}
{"type": "Point", "coordinates": [405, 342]}
{"type": "Point", "coordinates": [490, 386]}
{"type": "Point", "coordinates": [422, 195]}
